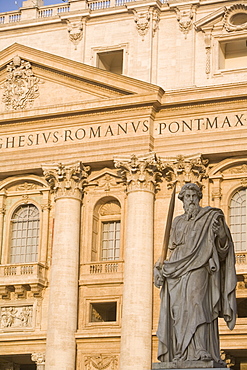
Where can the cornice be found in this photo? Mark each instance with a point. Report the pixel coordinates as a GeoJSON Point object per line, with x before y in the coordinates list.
{"type": "Point", "coordinates": [92, 107]}
{"type": "Point", "coordinates": [204, 94]}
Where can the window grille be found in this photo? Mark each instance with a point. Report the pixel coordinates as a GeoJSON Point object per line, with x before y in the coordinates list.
{"type": "Point", "coordinates": [110, 240]}
{"type": "Point", "coordinates": [238, 220]}
{"type": "Point", "coordinates": [24, 234]}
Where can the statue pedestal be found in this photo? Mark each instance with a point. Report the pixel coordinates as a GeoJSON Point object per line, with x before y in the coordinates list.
{"type": "Point", "coordinates": [199, 365]}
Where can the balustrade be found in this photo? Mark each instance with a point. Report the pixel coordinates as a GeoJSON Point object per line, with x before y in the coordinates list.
{"type": "Point", "coordinates": [241, 258]}
{"type": "Point", "coordinates": [14, 18]}
{"type": "Point", "coordinates": [12, 274]}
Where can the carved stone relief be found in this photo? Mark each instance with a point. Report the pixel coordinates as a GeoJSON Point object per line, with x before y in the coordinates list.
{"type": "Point", "coordinates": [107, 182]}
{"type": "Point", "coordinates": [185, 18]}
{"type": "Point", "coordinates": [21, 85]}
{"type": "Point", "coordinates": [142, 20]}
{"type": "Point", "coordinates": [26, 186]}
{"type": "Point", "coordinates": [101, 362]}
{"type": "Point", "coordinates": [75, 30]}
{"type": "Point", "coordinates": [238, 169]}
{"type": "Point", "coordinates": [146, 18]}
{"type": "Point", "coordinates": [16, 317]}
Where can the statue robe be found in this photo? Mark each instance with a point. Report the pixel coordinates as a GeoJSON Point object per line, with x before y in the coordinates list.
{"type": "Point", "coordinates": [199, 286]}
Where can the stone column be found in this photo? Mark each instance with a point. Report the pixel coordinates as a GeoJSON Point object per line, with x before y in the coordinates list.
{"type": "Point", "coordinates": [140, 174]}
{"type": "Point", "coordinates": [66, 182]}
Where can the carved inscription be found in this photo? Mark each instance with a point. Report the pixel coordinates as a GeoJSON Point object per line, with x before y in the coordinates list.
{"type": "Point", "coordinates": [188, 125]}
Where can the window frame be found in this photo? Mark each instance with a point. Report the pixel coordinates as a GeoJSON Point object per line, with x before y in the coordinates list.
{"type": "Point", "coordinates": [97, 224]}
{"type": "Point", "coordinates": [217, 41]}
{"type": "Point", "coordinates": [8, 228]}
{"type": "Point", "coordinates": [229, 218]}
{"type": "Point", "coordinates": [12, 238]}
{"type": "Point", "coordinates": [110, 48]}
{"type": "Point", "coordinates": [108, 299]}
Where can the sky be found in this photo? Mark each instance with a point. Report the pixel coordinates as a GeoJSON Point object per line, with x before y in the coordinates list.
{"type": "Point", "coordinates": [9, 5]}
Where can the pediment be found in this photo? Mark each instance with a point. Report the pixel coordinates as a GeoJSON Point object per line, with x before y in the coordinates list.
{"type": "Point", "coordinates": [33, 79]}
{"type": "Point", "coordinates": [210, 19]}
{"type": "Point", "coordinates": [231, 18]}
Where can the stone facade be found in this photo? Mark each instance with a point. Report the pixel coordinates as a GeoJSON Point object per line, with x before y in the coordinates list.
{"type": "Point", "coordinates": [88, 160]}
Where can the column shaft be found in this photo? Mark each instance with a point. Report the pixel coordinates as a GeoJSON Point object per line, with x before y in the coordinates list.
{"type": "Point", "coordinates": [137, 297]}
{"type": "Point", "coordinates": [62, 315]}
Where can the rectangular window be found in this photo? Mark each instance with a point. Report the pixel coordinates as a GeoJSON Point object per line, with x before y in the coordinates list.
{"type": "Point", "coordinates": [110, 240]}
{"type": "Point", "coordinates": [103, 312]}
{"type": "Point", "coordinates": [233, 54]}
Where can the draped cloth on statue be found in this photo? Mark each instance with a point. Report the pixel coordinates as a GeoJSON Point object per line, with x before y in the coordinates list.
{"type": "Point", "coordinates": [199, 287]}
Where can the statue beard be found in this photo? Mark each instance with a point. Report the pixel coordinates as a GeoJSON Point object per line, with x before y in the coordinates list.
{"type": "Point", "coordinates": [191, 210]}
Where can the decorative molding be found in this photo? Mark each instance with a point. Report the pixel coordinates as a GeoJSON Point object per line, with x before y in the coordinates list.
{"type": "Point", "coordinates": [235, 18]}
{"type": "Point", "coordinates": [26, 186]}
{"type": "Point", "coordinates": [21, 86]}
{"type": "Point", "coordinates": [16, 317]}
{"type": "Point", "coordinates": [244, 182]}
{"type": "Point", "coordinates": [66, 179]}
{"type": "Point", "coordinates": [207, 40]}
{"type": "Point", "coordinates": [140, 173]}
{"type": "Point", "coordinates": [110, 208]}
{"type": "Point", "coordinates": [184, 169]}
{"type": "Point", "coordinates": [155, 20]}
{"type": "Point", "coordinates": [101, 362]}
{"type": "Point", "coordinates": [107, 182]}
{"type": "Point", "coordinates": [227, 358]}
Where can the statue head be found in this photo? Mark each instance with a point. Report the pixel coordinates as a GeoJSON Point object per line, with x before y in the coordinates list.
{"type": "Point", "coordinates": [190, 195]}
{"type": "Point", "coordinates": [190, 186]}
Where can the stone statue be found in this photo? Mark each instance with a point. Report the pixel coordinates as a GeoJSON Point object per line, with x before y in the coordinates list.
{"type": "Point", "coordinates": [198, 283]}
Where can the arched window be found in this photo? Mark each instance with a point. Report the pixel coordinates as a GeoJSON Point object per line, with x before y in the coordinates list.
{"type": "Point", "coordinates": [238, 220]}
{"type": "Point", "coordinates": [24, 234]}
{"type": "Point", "coordinates": [106, 231]}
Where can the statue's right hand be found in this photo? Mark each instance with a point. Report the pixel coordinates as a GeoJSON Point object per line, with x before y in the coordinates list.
{"type": "Point", "coordinates": [158, 277]}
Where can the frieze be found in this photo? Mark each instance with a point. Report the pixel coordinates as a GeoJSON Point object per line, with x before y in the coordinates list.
{"type": "Point", "coordinates": [16, 317]}
{"type": "Point", "coordinates": [116, 130]}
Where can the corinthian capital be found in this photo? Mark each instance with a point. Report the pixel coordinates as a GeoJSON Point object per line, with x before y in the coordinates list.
{"type": "Point", "coordinates": [66, 180]}
{"type": "Point", "coordinates": [139, 173]}
{"type": "Point", "coordinates": [38, 358]}
{"type": "Point", "coordinates": [183, 169]}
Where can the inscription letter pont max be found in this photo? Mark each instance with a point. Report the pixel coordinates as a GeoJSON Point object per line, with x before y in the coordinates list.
{"type": "Point", "coordinates": [197, 283]}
